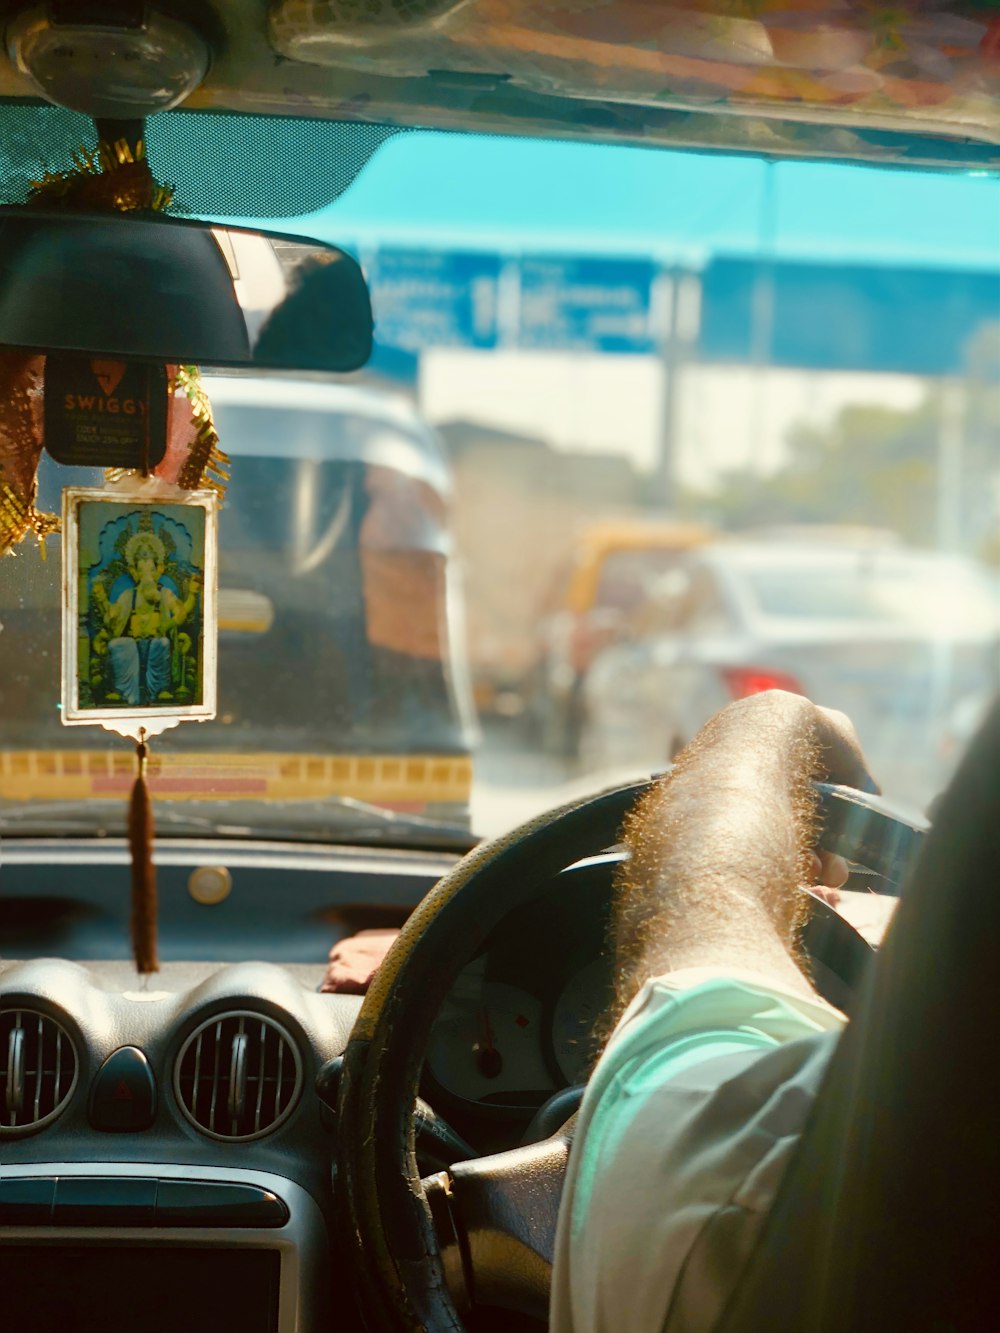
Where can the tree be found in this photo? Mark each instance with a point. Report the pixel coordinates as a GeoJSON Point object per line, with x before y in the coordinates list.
{"type": "Point", "coordinates": [882, 467]}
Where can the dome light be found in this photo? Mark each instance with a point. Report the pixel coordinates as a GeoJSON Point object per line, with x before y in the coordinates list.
{"type": "Point", "coordinates": [108, 60]}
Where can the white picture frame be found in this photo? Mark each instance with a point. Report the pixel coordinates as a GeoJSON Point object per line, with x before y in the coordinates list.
{"type": "Point", "coordinates": [139, 608]}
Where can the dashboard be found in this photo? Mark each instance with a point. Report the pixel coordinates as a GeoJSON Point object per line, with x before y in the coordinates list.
{"type": "Point", "coordinates": [514, 1029]}
{"type": "Point", "coordinates": [180, 1113]}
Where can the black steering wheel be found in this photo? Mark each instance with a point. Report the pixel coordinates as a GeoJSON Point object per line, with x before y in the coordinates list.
{"type": "Point", "coordinates": [485, 1230]}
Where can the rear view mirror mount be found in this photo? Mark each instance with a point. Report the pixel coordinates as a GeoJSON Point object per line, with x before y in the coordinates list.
{"type": "Point", "coordinates": [171, 290]}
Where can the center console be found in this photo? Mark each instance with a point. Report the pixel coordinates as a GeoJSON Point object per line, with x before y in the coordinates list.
{"type": "Point", "coordinates": [164, 1248]}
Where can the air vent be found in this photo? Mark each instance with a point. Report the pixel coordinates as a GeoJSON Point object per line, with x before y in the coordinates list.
{"type": "Point", "coordinates": [238, 1076]}
{"type": "Point", "coordinates": [37, 1070]}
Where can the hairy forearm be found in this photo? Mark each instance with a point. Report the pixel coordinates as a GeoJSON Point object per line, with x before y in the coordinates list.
{"type": "Point", "coordinates": [719, 849]}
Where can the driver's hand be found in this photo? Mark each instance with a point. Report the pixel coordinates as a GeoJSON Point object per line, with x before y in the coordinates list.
{"type": "Point", "coordinates": [841, 761]}
{"type": "Point", "coordinates": [840, 751]}
{"type": "Point", "coordinates": [844, 762]}
{"type": "Point", "coordinates": [829, 875]}
{"type": "Point", "coordinates": [354, 961]}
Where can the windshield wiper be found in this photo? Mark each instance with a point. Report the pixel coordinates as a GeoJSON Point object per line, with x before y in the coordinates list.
{"type": "Point", "coordinates": [332, 819]}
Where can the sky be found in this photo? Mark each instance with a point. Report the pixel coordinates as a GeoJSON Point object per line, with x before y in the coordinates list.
{"type": "Point", "coordinates": [511, 194]}
{"type": "Point", "coordinates": [519, 195]}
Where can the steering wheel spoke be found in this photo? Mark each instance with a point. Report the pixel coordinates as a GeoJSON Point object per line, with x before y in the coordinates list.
{"type": "Point", "coordinates": [502, 1215]}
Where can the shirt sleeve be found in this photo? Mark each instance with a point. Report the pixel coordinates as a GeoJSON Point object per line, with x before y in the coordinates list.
{"type": "Point", "coordinates": [684, 1129]}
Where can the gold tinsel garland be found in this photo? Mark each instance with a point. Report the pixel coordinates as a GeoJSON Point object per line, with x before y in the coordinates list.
{"type": "Point", "coordinates": [115, 176]}
{"type": "Point", "coordinates": [206, 463]}
{"type": "Point", "coordinates": [20, 449]}
{"type": "Point", "coordinates": [18, 518]}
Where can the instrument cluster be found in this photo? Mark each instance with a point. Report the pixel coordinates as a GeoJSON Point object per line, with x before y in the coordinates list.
{"type": "Point", "coordinates": [518, 1024]}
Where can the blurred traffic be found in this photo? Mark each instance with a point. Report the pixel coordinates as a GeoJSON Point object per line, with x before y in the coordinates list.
{"type": "Point", "coordinates": [671, 628]}
{"type": "Point", "coordinates": [904, 641]}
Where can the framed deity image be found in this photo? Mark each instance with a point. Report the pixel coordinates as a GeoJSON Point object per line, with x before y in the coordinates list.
{"type": "Point", "coordinates": [139, 609]}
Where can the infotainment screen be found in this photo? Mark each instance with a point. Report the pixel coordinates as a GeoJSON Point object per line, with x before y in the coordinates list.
{"type": "Point", "coordinates": [125, 1289]}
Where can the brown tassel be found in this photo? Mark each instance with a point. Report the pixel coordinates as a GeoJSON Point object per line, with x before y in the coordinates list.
{"type": "Point", "coordinates": [140, 837]}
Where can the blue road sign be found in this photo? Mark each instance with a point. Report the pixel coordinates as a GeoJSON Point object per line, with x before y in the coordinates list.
{"type": "Point", "coordinates": [847, 316]}
{"type": "Point", "coordinates": [587, 304]}
{"type": "Point", "coordinates": [833, 316]}
{"type": "Point", "coordinates": [424, 298]}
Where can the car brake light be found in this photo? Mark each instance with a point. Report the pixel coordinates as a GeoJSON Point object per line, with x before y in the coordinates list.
{"type": "Point", "coordinates": [744, 681]}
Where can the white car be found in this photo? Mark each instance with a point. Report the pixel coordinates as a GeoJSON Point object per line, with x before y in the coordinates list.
{"type": "Point", "coordinates": [895, 637]}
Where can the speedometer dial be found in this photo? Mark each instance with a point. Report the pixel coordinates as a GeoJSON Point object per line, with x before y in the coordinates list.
{"type": "Point", "coordinates": [582, 1002]}
{"type": "Point", "coordinates": [487, 1041]}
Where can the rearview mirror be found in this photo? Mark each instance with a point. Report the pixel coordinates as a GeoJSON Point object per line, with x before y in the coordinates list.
{"type": "Point", "coordinates": [173, 290]}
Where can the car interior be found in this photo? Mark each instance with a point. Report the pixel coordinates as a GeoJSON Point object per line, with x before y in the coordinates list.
{"type": "Point", "coordinates": [197, 1130]}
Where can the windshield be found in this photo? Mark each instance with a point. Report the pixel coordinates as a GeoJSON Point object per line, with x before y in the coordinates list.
{"type": "Point", "coordinates": [500, 567]}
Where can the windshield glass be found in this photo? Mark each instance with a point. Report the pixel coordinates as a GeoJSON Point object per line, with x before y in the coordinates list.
{"type": "Point", "coordinates": [500, 567]}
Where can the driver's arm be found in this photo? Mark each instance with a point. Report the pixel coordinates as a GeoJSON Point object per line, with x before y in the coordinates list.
{"type": "Point", "coordinates": [705, 1082]}
{"type": "Point", "coordinates": [719, 851]}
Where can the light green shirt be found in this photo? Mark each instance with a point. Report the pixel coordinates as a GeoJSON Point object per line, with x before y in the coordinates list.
{"type": "Point", "coordinates": [683, 1135]}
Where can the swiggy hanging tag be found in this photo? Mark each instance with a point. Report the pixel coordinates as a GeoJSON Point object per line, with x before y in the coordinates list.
{"type": "Point", "coordinates": [106, 414]}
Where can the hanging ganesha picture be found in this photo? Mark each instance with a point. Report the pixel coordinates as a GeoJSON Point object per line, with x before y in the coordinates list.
{"type": "Point", "coordinates": [139, 597]}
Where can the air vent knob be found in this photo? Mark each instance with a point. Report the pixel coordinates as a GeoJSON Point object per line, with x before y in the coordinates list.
{"type": "Point", "coordinates": [38, 1069]}
{"type": "Point", "coordinates": [238, 1076]}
